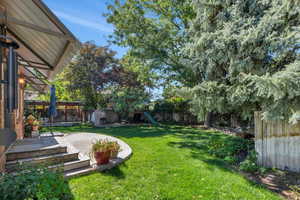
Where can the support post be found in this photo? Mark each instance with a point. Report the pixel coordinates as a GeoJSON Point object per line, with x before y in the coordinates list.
{"type": "Point", "coordinates": [66, 117]}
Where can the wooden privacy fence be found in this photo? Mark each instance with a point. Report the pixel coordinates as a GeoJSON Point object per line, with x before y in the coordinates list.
{"type": "Point", "coordinates": [277, 143]}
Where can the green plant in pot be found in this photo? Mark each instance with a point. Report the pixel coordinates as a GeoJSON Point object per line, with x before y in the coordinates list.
{"type": "Point", "coordinates": [114, 148]}
{"type": "Point", "coordinates": [35, 125]}
{"type": "Point", "coordinates": [30, 119]}
{"type": "Point", "coordinates": [101, 151]}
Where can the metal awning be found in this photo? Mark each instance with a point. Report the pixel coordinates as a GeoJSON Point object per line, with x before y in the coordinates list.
{"type": "Point", "coordinates": [46, 45]}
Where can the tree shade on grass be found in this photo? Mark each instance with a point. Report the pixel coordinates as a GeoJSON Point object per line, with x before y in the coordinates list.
{"type": "Point", "coordinates": [170, 162]}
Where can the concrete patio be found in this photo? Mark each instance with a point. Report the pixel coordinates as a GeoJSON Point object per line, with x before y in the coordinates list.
{"type": "Point", "coordinates": [70, 152]}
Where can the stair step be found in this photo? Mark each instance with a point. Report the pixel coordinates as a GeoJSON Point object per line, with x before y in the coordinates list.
{"type": "Point", "coordinates": [78, 172]}
{"type": "Point", "coordinates": [12, 156]}
{"type": "Point", "coordinates": [44, 160]}
{"type": "Point", "coordinates": [71, 165]}
{"type": "Point", "coordinates": [36, 147]}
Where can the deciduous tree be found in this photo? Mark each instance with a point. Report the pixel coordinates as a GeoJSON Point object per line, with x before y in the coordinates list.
{"type": "Point", "coordinates": [155, 32]}
{"type": "Point", "coordinates": [93, 69]}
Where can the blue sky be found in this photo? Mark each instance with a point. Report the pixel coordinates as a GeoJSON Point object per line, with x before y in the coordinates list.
{"type": "Point", "coordinates": [85, 20]}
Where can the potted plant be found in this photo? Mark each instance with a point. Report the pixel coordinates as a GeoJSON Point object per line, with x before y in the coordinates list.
{"type": "Point", "coordinates": [114, 149]}
{"type": "Point", "coordinates": [101, 151]}
{"type": "Point", "coordinates": [30, 119]}
{"type": "Point", "coordinates": [28, 129]}
{"type": "Point", "coordinates": [35, 125]}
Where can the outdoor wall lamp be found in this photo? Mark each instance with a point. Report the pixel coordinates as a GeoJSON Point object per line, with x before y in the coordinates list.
{"type": "Point", "coordinates": [22, 80]}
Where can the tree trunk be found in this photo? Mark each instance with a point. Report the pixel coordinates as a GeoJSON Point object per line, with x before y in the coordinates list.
{"type": "Point", "coordinates": [234, 121]}
{"type": "Point", "coordinates": [208, 119]}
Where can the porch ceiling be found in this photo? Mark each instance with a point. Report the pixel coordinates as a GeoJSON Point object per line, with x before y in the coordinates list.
{"type": "Point", "coordinates": [46, 45]}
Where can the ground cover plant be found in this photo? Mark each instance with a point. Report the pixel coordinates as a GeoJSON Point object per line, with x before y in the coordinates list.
{"type": "Point", "coordinates": [34, 183]}
{"type": "Point", "coordinates": [170, 162]}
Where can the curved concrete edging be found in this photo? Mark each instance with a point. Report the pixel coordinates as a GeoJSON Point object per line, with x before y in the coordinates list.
{"type": "Point", "coordinates": [82, 141]}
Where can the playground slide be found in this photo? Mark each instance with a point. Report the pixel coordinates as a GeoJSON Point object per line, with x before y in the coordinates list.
{"type": "Point", "coordinates": [150, 118]}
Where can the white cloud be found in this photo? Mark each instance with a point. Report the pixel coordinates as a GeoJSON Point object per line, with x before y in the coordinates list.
{"type": "Point", "coordinates": [84, 22]}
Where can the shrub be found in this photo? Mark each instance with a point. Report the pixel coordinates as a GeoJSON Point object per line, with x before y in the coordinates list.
{"type": "Point", "coordinates": [231, 159]}
{"type": "Point", "coordinates": [229, 148]}
{"type": "Point", "coordinates": [173, 104]}
{"type": "Point", "coordinates": [236, 150]}
{"type": "Point", "coordinates": [34, 184]}
{"type": "Point", "coordinates": [250, 163]}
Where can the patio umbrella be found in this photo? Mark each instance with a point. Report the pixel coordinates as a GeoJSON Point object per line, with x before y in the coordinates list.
{"type": "Point", "coordinates": [52, 107]}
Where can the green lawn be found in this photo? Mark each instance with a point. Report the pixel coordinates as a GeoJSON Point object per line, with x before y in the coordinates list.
{"type": "Point", "coordinates": [167, 163]}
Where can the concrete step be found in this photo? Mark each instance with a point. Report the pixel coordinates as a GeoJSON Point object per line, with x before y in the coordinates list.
{"type": "Point", "coordinates": [86, 170]}
{"type": "Point", "coordinates": [13, 156]}
{"type": "Point", "coordinates": [35, 147]}
{"type": "Point", "coordinates": [77, 164]}
{"type": "Point", "coordinates": [78, 172]}
{"type": "Point", "coordinates": [42, 160]}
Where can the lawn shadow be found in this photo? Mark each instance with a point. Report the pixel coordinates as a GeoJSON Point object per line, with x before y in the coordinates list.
{"type": "Point", "coordinates": [199, 151]}
{"type": "Point", "coordinates": [200, 143]}
{"type": "Point", "coordinates": [197, 140]}
{"type": "Point", "coordinates": [115, 172]}
{"type": "Point", "coordinates": [68, 192]}
{"type": "Point", "coordinates": [126, 132]}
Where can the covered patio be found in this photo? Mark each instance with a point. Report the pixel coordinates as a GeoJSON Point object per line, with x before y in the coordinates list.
{"type": "Point", "coordinates": [67, 111]}
{"type": "Point", "coordinates": [39, 46]}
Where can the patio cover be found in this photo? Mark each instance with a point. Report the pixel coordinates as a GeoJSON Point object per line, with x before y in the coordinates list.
{"type": "Point", "coordinates": [46, 45]}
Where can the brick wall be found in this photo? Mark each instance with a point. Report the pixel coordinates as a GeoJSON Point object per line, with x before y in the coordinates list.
{"type": "Point", "coordinates": [1, 97]}
{"type": "Point", "coordinates": [2, 148]}
{"type": "Point", "coordinates": [19, 126]}
{"type": "Point", "coordinates": [16, 118]}
{"type": "Point", "coordinates": [2, 159]}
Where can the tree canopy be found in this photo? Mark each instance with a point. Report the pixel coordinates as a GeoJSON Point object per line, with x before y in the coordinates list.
{"type": "Point", "coordinates": [155, 32]}
{"type": "Point", "coordinates": [62, 91]}
{"type": "Point", "coordinates": [102, 80]}
{"type": "Point", "coordinates": [233, 57]}
{"type": "Point", "coordinates": [93, 69]}
{"type": "Point", "coordinates": [246, 53]}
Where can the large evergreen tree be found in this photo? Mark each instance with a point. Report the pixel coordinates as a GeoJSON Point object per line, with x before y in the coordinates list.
{"type": "Point", "coordinates": [247, 53]}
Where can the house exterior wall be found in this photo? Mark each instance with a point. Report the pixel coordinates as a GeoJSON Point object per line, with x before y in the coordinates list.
{"type": "Point", "coordinates": [19, 113]}
{"type": "Point", "coordinates": [1, 98]}
{"type": "Point", "coordinates": [2, 148]}
{"type": "Point", "coordinates": [12, 121]}
{"type": "Point", "coordinates": [2, 114]}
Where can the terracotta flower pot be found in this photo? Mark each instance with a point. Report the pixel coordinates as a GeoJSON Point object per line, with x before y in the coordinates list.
{"type": "Point", "coordinates": [102, 157]}
{"type": "Point", "coordinates": [35, 128]}
{"type": "Point", "coordinates": [30, 121]}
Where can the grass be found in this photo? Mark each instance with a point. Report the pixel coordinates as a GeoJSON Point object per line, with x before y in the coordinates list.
{"type": "Point", "coordinates": [168, 163]}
